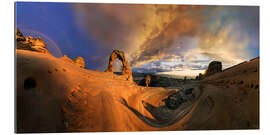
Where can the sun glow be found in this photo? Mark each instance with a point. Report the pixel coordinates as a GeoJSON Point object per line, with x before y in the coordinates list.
{"type": "Point", "coordinates": [181, 74]}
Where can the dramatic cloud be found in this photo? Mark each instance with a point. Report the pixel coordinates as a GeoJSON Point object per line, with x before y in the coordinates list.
{"type": "Point", "coordinates": [144, 32]}
{"type": "Point", "coordinates": [184, 37]}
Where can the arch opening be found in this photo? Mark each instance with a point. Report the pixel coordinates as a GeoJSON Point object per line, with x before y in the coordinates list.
{"type": "Point", "coordinates": [126, 70]}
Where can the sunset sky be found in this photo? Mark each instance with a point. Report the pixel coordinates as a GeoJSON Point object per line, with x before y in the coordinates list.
{"type": "Point", "coordinates": [171, 39]}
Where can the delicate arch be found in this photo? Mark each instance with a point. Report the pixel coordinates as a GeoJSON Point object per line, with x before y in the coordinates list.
{"type": "Point", "coordinates": [126, 70]}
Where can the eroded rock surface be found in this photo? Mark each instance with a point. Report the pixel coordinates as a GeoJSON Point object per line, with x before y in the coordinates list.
{"type": "Point", "coordinates": [19, 36]}
{"type": "Point", "coordinates": [147, 80]}
{"type": "Point", "coordinates": [126, 70]}
{"type": "Point", "coordinates": [214, 67]}
{"type": "Point", "coordinates": [78, 61]}
{"type": "Point", "coordinates": [30, 43]}
{"type": "Point", "coordinates": [55, 96]}
{"type": "Point", "coordinates": [67, 59]}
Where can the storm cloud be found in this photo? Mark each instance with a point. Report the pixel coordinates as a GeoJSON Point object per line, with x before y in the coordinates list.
{"type": "Point", "coordinates": [177, 34]}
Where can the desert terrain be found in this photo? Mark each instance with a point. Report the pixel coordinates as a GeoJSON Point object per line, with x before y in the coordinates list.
{"type": "Point", "coordinates": [60, 95]}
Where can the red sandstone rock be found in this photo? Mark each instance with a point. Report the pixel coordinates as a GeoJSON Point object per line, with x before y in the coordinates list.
{"type": "Point", "coordinates": [214, 67]}
{"type": "Point", "coordinates": [147, 80]}
{"type": "Point", "coordinates": [126, 70]}
{"type": "Point", "coordinates": [30, 43]}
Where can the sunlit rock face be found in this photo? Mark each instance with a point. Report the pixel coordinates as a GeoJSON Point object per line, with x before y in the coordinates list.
{"type": "Point", "coordinates": [54, 95]}
{"type": "Point", "coordinates": [214, 67]}
{"type": "Point", "coordinates": [19, 36]}
{"type": "Point", "coordinates": [147, 80]}
{"type": "Point", "coordinates": [126, 70]}
{"type": "Point", "coordinates": [79, 61]}
{"type": "Point", "coordinates": [67, 59]}
{"type": "Point", "coordinates": [30, 43]}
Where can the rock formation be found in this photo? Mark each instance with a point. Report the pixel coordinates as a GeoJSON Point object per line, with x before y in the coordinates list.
{"type": "Point", "coordinates": [29, 43]}
{"type": "Point", "coordinates": [53, 95]}
{"type": "Point", "coordinates": [78, 61]}
{"type": "Point", "coordinates": [19, 36]}
{"type": "Point", "coordinates": [126, 70]}
{"type": "Point", "coordinates": [176, 99]}
{"type": "Point", "coordinates": [38, 45]}
{"type": "Point", "coordinates": [157, 81]}
{"type": "Point", "coordinates": [147, 80]}
{"type": "Point", "coordinates": [199, 77]}
{"type": "Point", "coordinates": [214, 67]}
{"type": "Point", "coordinates": [67, 59]}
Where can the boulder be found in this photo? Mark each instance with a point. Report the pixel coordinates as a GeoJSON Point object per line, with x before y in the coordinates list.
{"type": "Point", "coordinates": [67, 59]}
{"type": "Point", "coordinates": [174, 100]}
{"type": "Point", "coordinates": [79, 61]}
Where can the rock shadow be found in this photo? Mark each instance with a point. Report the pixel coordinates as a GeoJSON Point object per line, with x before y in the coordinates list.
{"type": "Point", "coordinates": [163, 116]}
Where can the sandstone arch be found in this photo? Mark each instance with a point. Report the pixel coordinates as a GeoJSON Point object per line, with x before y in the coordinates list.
{"type": "Point", "coordinates": [126, 70]}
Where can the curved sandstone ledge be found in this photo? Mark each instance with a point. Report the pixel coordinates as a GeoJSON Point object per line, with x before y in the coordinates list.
{"type": "Point", "coordinates": [54, 95]}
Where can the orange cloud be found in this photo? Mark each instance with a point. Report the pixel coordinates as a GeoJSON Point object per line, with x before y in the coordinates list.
{"type": "Point", "coordinates": [152, 32]}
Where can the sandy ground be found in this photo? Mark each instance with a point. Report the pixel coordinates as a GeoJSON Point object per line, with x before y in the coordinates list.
{"type": "Point", "coordinates": [54, 95]}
